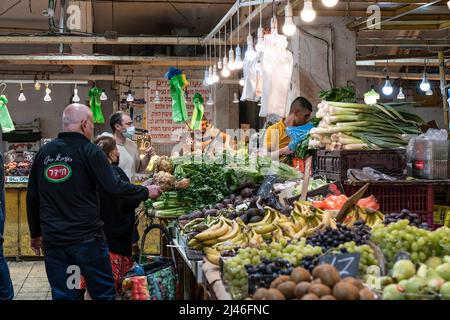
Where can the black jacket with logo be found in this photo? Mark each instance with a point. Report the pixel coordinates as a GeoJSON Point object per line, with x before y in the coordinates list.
{"type": "Point", "coordinates": [62, 198]}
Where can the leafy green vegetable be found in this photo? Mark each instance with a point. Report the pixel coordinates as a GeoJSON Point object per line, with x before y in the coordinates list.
{"type": "Point", "coordinates": [343, 94]}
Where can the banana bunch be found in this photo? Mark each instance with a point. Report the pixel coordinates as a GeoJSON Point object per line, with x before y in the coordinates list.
{"type": "Point", "coordinates": [370, 216]}
{"type": "Point", "coordinates": [308, 219]}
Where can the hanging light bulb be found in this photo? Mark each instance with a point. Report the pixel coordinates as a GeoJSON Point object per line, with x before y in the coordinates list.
{"type": "Point", "coordinates": [308, 14]}
{"type": "Point", "coordinates": [47, 97]}
{"type": "Point", "coordinates": [103, 96]}
{"type": "Point", "coordinates": [289, 27]}
{"type": "Point", "coordinates": [425, 85]}
{"type": "Point", "coordinates": [242, 82]}
{"type": "Point", "coordinates": [250, 54]}
{"type": "Point", "coordinates": [219, 63]}
{"type": "Point", "coordinates": [387, 89]}
{"type": "Point", "coordinates": [401, 95]}
{"type": "Point", "coordinates": [22, 97]}
{"type": "Point", "coordinates": [157, 99]}
{"type": "Point", "coordinates": [210, 79]}
{"type": "Point", "coordinates": [231, 63]}
{"type": "Point", "coordinates": [205, 83]}
{"type": "Point", "coordinates": [429, 92]}
{"type": "Point", "coordinates": [448, 4]}
{"type": "Point", "coordinates": [130, 97]}
{"type": "Point", "coordinates": [260, 43]}
{"type": "Point", "coordinates": [75, 98]}
{"type": "Point", "coordinates": [210, 101]}
{"type": "Point", "coordinates": [330, 3]}
{"type": "Point", "coordinates": [236, 99]}
{"type": "Point", "coordinates": [215, 76]}
{"type": "Point", "coordinates": [225, 72]}
{"type": "Point", "coordinates": [238, 63]}
{"type": "Point", "coordinates": [37, 86]}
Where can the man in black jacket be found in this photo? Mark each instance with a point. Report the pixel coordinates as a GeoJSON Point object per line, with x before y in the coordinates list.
{"type": "Point", "coordinates": [6, 287]}
{"type": "Point", "coordinates": [63, 209]}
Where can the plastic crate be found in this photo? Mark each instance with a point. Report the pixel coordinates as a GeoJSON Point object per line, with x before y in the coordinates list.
{"type": "Point", "coordinates": [334, 164]}
{"type": "Point", "coordinates": [395, 196]}
{"type": "Point", "coordinates": [441, 215]}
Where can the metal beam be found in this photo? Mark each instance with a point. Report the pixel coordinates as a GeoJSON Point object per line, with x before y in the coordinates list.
{"type": "Point", "coordinates": [425, 43]}
{"type": "Point", "coordinates": [398, 62]}
{"type": "Point", "coordinates": [361, 24]}
{"type": "Point", "coordinates": [91, 40]}
{"type": "Point", "coordinates": [397, 75]}
{"type": "Point", "coordinates": [103, 60]}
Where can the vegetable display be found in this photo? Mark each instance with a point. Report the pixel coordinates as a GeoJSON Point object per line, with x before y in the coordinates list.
{"type": "Point", "coordinates": [353, 126]}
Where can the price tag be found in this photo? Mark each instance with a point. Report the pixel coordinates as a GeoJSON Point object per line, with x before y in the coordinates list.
{"type": "Point", "coordinates": [19, 179]}
{"type": "Point", "coordinates": [347, 264]}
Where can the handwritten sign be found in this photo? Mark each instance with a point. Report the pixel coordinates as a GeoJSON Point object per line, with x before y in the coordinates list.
{"type": "Point", "coordinates": [159, 116]}
{"type": "Point", "coordinates": [347, 264]}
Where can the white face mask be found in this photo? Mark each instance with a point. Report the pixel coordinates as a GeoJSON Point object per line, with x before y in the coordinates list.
{"type": "Point", "coordinates": [129, 133]}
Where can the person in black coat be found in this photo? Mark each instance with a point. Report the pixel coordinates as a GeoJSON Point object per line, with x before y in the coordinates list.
{"type": "Point", "coordinates": [118, 215]}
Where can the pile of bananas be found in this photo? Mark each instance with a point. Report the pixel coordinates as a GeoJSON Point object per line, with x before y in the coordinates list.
{"type": "Point", "coordinates": [370, 216]}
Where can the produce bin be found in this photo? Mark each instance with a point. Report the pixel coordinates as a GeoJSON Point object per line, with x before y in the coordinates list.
{"type": "Point", "coordinates": [418, 196]}
{"type": "Point", "coordinates": [334, 164]}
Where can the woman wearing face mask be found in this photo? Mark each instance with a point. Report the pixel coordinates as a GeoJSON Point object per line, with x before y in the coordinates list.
{"type": "Point", "coordinates": [123, 131]}
{"type": "Point", "coordinates": [118, 215]}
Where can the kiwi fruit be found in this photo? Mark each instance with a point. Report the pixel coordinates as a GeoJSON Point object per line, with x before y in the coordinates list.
{"type": "Point", "coordinates": [318, 270]}
{"type": "Point", "coordinates": [329, 276]}
{"type": "Point", "coordinates": [287, 288]}
{"type": "Point", "coordinates": [320, 290]}
{"type": "Point", "coordinates": [300, 274]}
{"type": "Point", "coordinates": [355, 282]}
{"type": "Point", "coordinates": [366, 294]}
{"type": "Point", "coordinates": [301, 289]}
{"type": "Point", "coordinates": [310, 296]}
{"type": "Point", "coordinates": [345, 291]}
{"type": "Point", "coordinates": [274, 294]}
{"type": "Point", "coordinates": [275, 283]}
{"type": "Point", "coordinates": [316, 281]}
{"type": "Point", "coordinates": [260, 294]}
{"type": "Point", "coordinates": [327, 297]}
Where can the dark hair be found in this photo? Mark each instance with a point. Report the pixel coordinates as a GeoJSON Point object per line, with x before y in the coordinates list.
{"type": "Point", "coordinates": [106, 143]}
{"type": "Point", "coordinates": [115, 118]}
{"type": "Point", "coordinates": [302, 102]}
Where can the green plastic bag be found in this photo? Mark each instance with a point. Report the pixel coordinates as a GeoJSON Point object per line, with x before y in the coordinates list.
{"type": "Point", "coordinates": [179, 110]}
{"type": "Point", "coordinates": [197, 115]}
{"type": "Point", "coordinates": [5, 119]}
{"type": "Point", "coordinates": [96, 105]}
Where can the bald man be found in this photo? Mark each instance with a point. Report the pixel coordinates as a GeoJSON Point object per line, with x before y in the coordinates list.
{"type": "Point", "coordinates": [63, 208]}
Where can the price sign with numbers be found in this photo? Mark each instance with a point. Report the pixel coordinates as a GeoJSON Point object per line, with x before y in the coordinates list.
{"type": "Point", "coordinates": [347, 264]}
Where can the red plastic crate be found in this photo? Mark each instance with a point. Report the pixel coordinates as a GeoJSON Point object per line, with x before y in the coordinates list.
{"type": "Point", "coordinates": [334, 164]}
{"type": "Point", "coordinates": [395, 196]}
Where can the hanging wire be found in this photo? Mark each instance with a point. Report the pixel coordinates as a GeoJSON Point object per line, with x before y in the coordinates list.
{"type": "Point", "coordinates": [220, 47]}
{"type": "Point", "coordinates": [238, 26]}
{"type": "Point", "coordinates": [225, 41]}
{"type": "Point", "coordinates": [260, 15]}
{"type": "Point", "coordinates": [249, 20]}
{"type": "Point", "coordinates": [231, 32]}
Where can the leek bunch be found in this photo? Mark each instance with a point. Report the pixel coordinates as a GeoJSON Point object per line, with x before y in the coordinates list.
{"type": "Point", "coordinates": [354, 126]}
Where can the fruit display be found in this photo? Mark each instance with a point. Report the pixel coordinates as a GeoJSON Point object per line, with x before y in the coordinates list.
{"type": "Point", "coordinates": [234, 271]}
{"type": "Point", "coordinates": [262, 274]}
{"type": "Point", "coordinates": [323, 283]}
{"type": "Point", "coordinates": [17, 169]}
{"type": "Point", "coordinates": [414, 218]}
{"type": "Point", "coordinates": [367, 255]}
{"type": "Point", "coordinates": [419, 243]}
{"type": "Point", "coordinates": [333, 238]}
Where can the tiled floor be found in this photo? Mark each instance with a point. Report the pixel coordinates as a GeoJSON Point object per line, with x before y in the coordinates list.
{"type": "Point", "coordinates": [29, 281]}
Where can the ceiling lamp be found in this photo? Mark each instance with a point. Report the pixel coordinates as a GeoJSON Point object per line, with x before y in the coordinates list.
{"type": "Point", "coordinates": [250, 54]}
{"type": "Point", "coordinates": [210, 101]}
{"type": "Point", "coordinates": [37, 86]}
{"type": "Point", "coordinates": [47, 97]}
{"type": "Point", "coordinates": [242, 82]}
{"type": "Point", "coordinates": [401, 95]}
{"type": "Point", "coordinates": [219, 63]}
{"type": "Point", "coordinates": [75, 98]}
{"type": "Point", "coordinates": [210, 79]}
{"type": "Point", "coordinates": [387, 89]}
{"type": "Point", "coordinates": [308, 14]}
{"type": "Point", "coordinates": [103, 96]}
{"type": "Point", "coordinates": [429, 92]}
{"type": "Point", "coordinates": [205, 82]}
{"type": "Point", "coordinates": [238, 63]}
{"type": "Point", "coordinates": [260, 44]}
{"type": "Point", "coordinates": [231, 63]}
{"type": "Point", "coordinates": [130, 97]}
{"type": "Point", "coordinates": [157, 99]}
{"type": "Point", "coordinates": [225, 71]}
{"type": "Point", "coordinates": [425, 85]}
{"type": "Point", "coordinates": [448, 4]}
{"type": "Point", "coordinates": [22, 97]}
{"type": "Point", "coordinates": [329, 3]}
{"type": "Point", "coordinates": [215, 76]}
{"type": "Point", "coordinates": [289, 27]}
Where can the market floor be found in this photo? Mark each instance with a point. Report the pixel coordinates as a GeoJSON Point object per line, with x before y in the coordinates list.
{"type": "Point", "coordinates": [29, 280]}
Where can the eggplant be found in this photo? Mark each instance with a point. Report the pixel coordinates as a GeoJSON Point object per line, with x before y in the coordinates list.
{"type": "Point", "coordinates": [256, 219]}
{"type": "Point", "coordinates": [232, 215]}
{"type": "Point", "coordinates": [246, 193]}
{"type": "Point", "coordinates": [219, 206]}
{"type": "Point", "coordinates": [227, 201]}
{"type": "Point", "coordinates": [196, 214]}
{"type": "Point", "coordinates": [184, 217]}
{"type": "Point", "coordinates": [211, 212]}
{"type": "Point", "coordinates": [238, 199]}
{"type": "Point", "coordinates": [252, 212]}
{"type": "Point", "coordinates": [232, 197]}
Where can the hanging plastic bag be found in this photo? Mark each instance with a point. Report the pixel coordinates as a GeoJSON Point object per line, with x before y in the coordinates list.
{"type": "Point", "coordinates": [5, 119]}
{"type": "Point", "coordinates": [96, 105]}
{"type": "Point", "coordinates": [177, 83]}
{"type": "Point", "coordinates": [298, 134]}
{"type": "Point", "coordinates": [197, 115]}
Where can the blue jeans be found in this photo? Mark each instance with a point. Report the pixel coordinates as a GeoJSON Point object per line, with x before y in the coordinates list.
{"type": "Point", "coordinates": [6, 287]}
{"type": "Point", "coordinates": [91, 259]}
